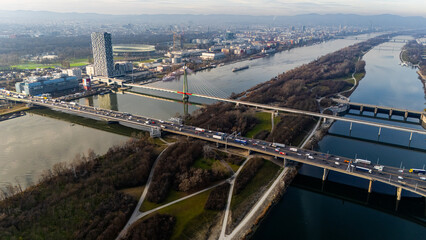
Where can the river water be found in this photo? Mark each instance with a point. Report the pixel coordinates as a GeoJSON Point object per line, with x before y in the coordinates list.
{"type": "Point", "coordinates": [32, 143]}
{"type": "Point", "coordinates": [303, 214]}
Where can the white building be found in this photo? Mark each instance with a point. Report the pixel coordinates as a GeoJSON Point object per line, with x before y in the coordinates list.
{"type": "Point", "coordinates": [90, 70]}
{"type": "Point", "coordinates": [212, 56]}
{"type": "Point", "coordinates": [73, 72]}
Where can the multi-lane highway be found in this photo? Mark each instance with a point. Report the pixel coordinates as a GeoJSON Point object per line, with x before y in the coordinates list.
{"type": "Point", "coordinates": [402, 179]}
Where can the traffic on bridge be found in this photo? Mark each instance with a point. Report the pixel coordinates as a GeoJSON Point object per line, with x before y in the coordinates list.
{"type": "Point", "coordinates": [413, 180]}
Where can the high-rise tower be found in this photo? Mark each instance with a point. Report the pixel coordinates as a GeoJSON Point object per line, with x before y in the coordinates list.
{"type": "Point", "coordinates": [102, 54]}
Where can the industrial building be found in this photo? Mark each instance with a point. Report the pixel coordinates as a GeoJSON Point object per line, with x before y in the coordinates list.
{"type": "Point", "coordinates": [212, 56]}
{"type": "Point", "coordinates": [102, 54]}
{"type": "Point", "coordinates": [40, 85]}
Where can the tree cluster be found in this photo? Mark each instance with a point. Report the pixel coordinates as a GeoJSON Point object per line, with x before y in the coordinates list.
{"type": "Point", "coordinates": [79, 200]}
{"type": "Point", "coordinates": [218, 198]}
{"type": "Point", "coordinates": [224, 117]}
{"type": "Point", "coordinates": [174, 170]}
{"type": "Point", "coordinates": [157, 227]}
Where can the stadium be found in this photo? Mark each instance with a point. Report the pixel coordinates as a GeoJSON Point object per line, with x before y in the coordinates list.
{"type": "Point", "coordinates": [133, 50]}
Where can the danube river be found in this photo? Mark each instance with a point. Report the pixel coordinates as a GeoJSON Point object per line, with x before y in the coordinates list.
{"type": "Point", "coordinates": [304, 214]}
{"type": "Point", "coordinates": [33, 143]}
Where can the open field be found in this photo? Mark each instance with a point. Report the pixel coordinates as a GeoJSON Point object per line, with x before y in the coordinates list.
{"type": "Point", "coordinates": [265, 123]}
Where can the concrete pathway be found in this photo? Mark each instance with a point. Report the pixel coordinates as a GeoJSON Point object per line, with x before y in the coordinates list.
{"type": "Point", "coordinates": [228, 203]}
{"type": "Point", "coordinates": [136, 212]}
{"type": "Point", "coordinates": [256, 207]}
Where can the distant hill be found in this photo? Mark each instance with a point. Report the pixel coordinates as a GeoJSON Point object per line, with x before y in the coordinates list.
{"type": "Point", "coordinates": [44, 17]}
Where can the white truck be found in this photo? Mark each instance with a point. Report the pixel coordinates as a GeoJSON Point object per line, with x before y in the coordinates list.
{"type": "Point", "coordinates": [200, 129]}
{"type": "Point", "coordinates": [218, 137]}
{"type": "Point", "coordinates": [293, 149]}
{"type": "Point", "coordinates": [278, 145]}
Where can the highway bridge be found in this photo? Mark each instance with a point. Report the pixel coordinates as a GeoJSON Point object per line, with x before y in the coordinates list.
{"type": "Point", "coordinates": [401, 179]}
{"type": "Point", "coordinates": [390, 111]}
{"type": "Point", "coordinates": [288, 110]}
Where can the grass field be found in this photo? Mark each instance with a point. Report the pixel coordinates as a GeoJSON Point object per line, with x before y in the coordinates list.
{"type": "Point", "coordinates": [135, 192]}
{"type": "Point", "coordinates": [173, 195]}
{"type": "Point", "coordinates": [242, 203]}
{"type": "Point", "coordinates": [204, 163]}
{"type": "Point", "coordinates": [262, 178]}
{"type": "Point", "coordinates": [32, 66]}
{"type": "Point", "coordinates": [265, 123]}
{"type": "Point", "coordinates": [188, 215]}
{"type": "Point", "coordinates": [76, 62]}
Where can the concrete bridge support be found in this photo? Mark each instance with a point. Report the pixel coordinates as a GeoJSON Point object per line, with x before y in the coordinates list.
{"type": "Point", "coordinates": [390, 113]}
{"type": "Point", "coordinates": [405, 115]}
{"type": "Point", "coordinates": [370, 186]}
{"type": "Point", "coordinates": [375, 111]}
{"type": "Point", "coordinates": [325, 174]}
{"type": "Point", "coordinates": [398, 193]}
{"type": "Point", "coordinates": [361, 109]}
{"type": "Point", "coordinates": [423, 120]}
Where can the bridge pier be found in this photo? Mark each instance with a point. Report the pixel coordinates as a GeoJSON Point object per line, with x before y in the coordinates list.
{"type": "Point", "coordinates": [405, 115]}
{"type": "Point", "coordinates": [398, 193]}
{"type": "Point", "coordinates": [390, 113]}
{"type": "Point", "coordinates": [375, 111]}
{"type": "Point", "coordinates": [370, 186]}
{"type": "Point", "coordinates": [411, 137]}
{"type": "Point", "coordinates": [380, 131]}
{"type": "Point", "coordinates": [350, 128]}
{"type": "Point", "coordinates": [423, 120]}
{"type": "Point", "coordinates": [325, 174]}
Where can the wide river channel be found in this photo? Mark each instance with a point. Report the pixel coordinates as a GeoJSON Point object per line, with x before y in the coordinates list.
{"type": "Point", "coordinates": [32, 143]}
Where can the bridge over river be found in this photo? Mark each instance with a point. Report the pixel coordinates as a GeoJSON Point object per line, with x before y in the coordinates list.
{"type": "Point", "coordinates": [398, 178]}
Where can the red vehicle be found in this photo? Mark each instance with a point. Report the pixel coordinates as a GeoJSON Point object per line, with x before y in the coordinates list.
{"type": "Point", "coordinates": [282, 153]}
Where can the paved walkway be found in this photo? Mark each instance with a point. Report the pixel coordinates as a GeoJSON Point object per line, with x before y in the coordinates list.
{"type": "Point", "coordinates": [136, 212]}
{"type": "Point", "coordinates": [228, 204]}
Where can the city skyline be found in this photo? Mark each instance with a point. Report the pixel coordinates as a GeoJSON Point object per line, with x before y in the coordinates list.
{"type": "Point", "coordinates": [239, 7]}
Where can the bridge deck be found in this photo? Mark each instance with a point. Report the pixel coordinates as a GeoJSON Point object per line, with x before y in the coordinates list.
{"type": "Point", "coordinates": [390, 176]}
{"type": "Point", "coordinates": [290, 110]}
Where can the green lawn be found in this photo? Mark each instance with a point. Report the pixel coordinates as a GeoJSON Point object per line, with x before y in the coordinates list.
{"type": "Point", "coordinates": [173, 195]}
{"type": "Point", "coordinates": [262, 178]}
{"type": "Point", "coordinates": [76, 62]}
{"type": "Point", "coordinates": [204, 163]}
{"type": "Point", "coordinates": [188, 215]}
{"type": "Point", "coordinates": [135, 192]}
{"type": "Point", "coordinates": [264, 123]}
{"type": "Point", "coordinates": [359, 76]}
{"type": "Point", "coordinates": [233, 166]}
{"type": "Point", "coordinates": [32, 66]}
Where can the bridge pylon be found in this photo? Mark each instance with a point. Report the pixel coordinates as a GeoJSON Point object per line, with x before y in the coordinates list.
{"type": "Point", "coordinates": [185, 84]}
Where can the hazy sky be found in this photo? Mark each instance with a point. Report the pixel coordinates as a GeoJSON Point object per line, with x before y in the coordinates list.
{"type": "Point", "coordinates": [250, 7]}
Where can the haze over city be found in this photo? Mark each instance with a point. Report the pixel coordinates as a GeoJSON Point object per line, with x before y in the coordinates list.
{"type": "Point", "coordinates": [240, 7]}
{"type": "Point", "coordinates": [220, 119]}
